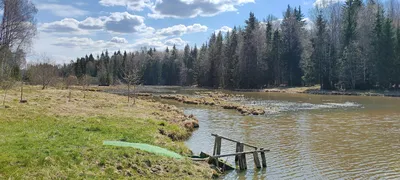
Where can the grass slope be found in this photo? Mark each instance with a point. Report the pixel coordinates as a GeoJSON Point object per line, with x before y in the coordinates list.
{"type": "Point", "coordinates": [53, 138]}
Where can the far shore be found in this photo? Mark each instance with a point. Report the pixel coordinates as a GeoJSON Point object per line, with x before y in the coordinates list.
{"type": "Point", "coordinates": [316, 90]}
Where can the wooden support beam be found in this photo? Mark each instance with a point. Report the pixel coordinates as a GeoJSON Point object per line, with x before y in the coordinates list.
{"type": "Point", "coordinates": [263, 160]}
{"type": "Point", "coordinates": [248, 145]}
{"type": "Point", "coordinates": [256, 160]}
{"type": "Point", "coordinates": [240, 153]}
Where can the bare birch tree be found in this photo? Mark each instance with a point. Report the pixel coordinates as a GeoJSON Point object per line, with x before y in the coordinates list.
{"type": "Point", "coordinates": [131, 75]}
{"type": "Point", "coordinates": [18, 27]}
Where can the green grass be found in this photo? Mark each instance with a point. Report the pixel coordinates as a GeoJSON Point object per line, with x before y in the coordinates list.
{"type": "Point", "coordinates": [39, 142]}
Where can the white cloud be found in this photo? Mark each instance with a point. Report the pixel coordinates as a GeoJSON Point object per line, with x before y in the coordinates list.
{"type": "Point", "coordinates": [223, 29]}
{"type": "Point", "coordinates": [325, 3]}
{"type": "Point", "coordinates": [117, 22]}
{"type": "Point", "coordinates": [124, 22]}
{"type": "Point", "coordinates": [62, 10]}
{"type": "Point", "coordinates": [92, 23]}
{"type": "Point", "coordinates": [119, 40]}
{"type": "Point", "coordinates": [84, 43]}
{"type": "Point", "coordinates": [155, 42]}
{"type": "Point", "coordinates": [193, 8]}
{"type": "Point", "coordinates": [134, 5]}
{"type": "Point", "coordinates": [179, 30]}
{"type": "Point", "coordinates": [67, 25]}
{"type": "Point", "coordinates": [175, 41]}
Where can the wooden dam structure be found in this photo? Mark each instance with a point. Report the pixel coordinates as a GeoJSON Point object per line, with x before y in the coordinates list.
{"type": "Point", "coordinates": [240, 155]}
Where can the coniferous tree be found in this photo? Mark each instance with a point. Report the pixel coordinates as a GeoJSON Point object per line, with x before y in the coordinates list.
{"type": "Point", "coordinates": [213, 62]}
{"type": "Point", "coordinates": [278, 66]}
{"type": "Point", "coordinates": [350, 66]}
{"type": "Point", "coordinates": [396, 63]}
{"type": "Point", "coordinates": [292, 25]}
{"type": "Point", "coordinates": [248, 72]}
{"type": "Point", "coordinates": [360, 51]}
{"type": "Point", "coordinates": [385, 66]}
{"type": "Point", "coordinates": [190, 66]}
{"type": "Point", "coordinates": [320, 55]}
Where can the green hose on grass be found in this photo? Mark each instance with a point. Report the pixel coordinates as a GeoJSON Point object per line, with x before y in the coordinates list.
{"type": "Point", "coordinates": [145, 147]}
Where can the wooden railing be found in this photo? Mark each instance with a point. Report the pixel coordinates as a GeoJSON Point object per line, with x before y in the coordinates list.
{"type": "Point", "coordinates": [240, 155]}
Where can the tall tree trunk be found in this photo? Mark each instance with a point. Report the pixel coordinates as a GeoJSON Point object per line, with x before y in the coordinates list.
{"type": "Point", "coordinates": [129, 91]}
{"type": "Point", "coordinates": [4, 99]}
{"type": "Point", "coordinates": [22, 91]}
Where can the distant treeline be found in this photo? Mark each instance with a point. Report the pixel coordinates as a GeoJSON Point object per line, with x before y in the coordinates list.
{"type": "Point", "coordinates": [351, 45]}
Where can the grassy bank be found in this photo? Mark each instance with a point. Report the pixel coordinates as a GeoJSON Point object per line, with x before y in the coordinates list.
{"type": "Point", "coordinates": [52, 137]}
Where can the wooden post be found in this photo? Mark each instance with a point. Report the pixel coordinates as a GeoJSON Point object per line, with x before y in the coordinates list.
{"type": "Point", "coordinates": [242, 158]}
{"type": "Point", "coordinates": [217, 146]}
{"type": "Point", "coordinates": [237, 150]}
{"type": "Point", "coordinates": [256, 160]}
{"type": "Point", "coordinates": [264, 161]}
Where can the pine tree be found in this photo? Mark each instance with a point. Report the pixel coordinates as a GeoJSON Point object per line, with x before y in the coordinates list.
{"type": "Point", "coordinates": [396, 63]}
{"type": "Point", "coordinates": [292, 51]}
{"type": "Point", "coordinates": [266, 75]}
{"type": "Point", "coordinates": [166, 68]}
{"type": "Point", "coordinates": [351, 9]}
{"type": "Point", "coordinates": [278, 66]}
{"type": "Point", "coordinates": [249, 64]}
{"type": "Point", "coordinates": [321, 54]}
{"type": "Point", "coordinates": [350, 73]}
{"type": "Point", "coordinates": [213, 61]}
{"type": "Point", "coordinates": [386, 64]}
{"type": "Point", "coordinates": [219, 61]}
{"type": "Point", "coordinates": [175, 67]}
{"type": "Point", "coordinates": [190, 66]}
{"type": "Point", "coordinates": [201, 67]}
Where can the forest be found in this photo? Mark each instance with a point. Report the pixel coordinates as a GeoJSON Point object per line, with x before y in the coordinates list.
{"type": "Point", "coordinates": [344, 46]}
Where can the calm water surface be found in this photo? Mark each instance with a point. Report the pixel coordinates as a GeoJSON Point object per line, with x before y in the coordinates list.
{"type": "Point", "coordinates": [310, 136]}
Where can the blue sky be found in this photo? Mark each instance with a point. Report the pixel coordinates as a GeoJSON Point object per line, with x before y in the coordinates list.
{"type": "Point", "coordinates": [71, 28]}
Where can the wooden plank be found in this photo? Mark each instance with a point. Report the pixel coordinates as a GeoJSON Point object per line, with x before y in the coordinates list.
{"type": "Point", "coordinates": [256, 160]}
{"type": "Point", "coordinates": [240, 153]}
{"type": "Point", "coordinates": [248, 145]}
{"type": "Point", "coordinates": [263, 160]}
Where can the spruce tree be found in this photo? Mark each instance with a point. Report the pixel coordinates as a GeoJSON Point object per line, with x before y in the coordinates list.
{"type": "Point", "coordinates": [231, 60]}
{"type": "Point", "coordinates": [386, 65]}
{"type": "Point", "coordinates": [249, 66]}
{"type": "Point", "coordinates": [278, 66]}
{"type": "Point", "coordinates": [212, 58]}
{"type": "Point", "coordinates": [396, 63]}
{"type": "Point", "coordinates": [292, 50]}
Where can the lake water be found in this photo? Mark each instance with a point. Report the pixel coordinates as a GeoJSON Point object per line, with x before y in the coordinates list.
{"type": "Point", "coordinates": [310, 136]}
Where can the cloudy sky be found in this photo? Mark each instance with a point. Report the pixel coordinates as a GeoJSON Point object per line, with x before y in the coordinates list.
{"type": "Point", "coordinates": [71, 28]}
